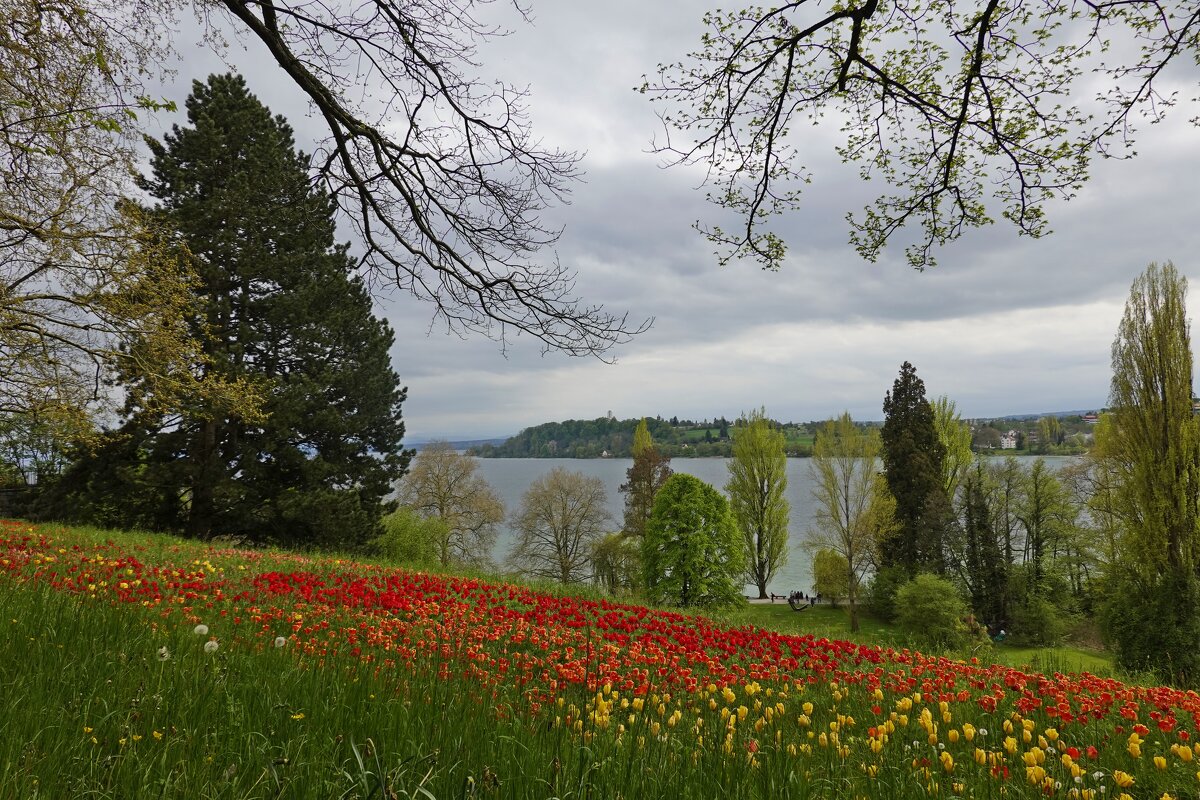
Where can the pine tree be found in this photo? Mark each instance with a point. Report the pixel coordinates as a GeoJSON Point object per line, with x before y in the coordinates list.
{"type": "Point", "coordinates": [912, 462]}
{"type": "Point", "coordinates": [284, 312]}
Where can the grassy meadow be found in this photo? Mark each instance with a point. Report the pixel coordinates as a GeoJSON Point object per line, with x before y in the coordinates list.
{"type": "Point", "coordinates": [144, 666]}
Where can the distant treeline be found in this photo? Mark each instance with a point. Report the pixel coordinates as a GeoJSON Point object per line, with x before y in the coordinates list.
{"type": "Point", "coordinates": [611, 437]}
{"type": "Point", "coordinates": [682, 438]}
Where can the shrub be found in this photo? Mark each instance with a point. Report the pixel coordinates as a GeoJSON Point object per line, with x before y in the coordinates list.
{"type": "Point", "coordinates": [1036, 622]}
{"type": "Point", "coordinates": [409, 538]}
{"type": "Point", "coordinates": [831, 575]}
{"type": "Point", "coordinates": [931, 611]}
{"type": "Point", "coordinates": [881, 594]}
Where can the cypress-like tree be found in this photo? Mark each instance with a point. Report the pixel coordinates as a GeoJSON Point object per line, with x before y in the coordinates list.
{"type": "Point", "coordinates": [643, 479]}
{"type": "Point", "coordinates": [912, 463]}
{"type": "Point", "coordinates": [283, 312]}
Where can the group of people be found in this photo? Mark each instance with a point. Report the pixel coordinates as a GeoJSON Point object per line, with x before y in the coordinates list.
{"type": "Point", "coordinates": [798, 597]}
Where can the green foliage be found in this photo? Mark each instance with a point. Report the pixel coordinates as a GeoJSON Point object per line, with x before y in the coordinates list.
{"type": "Point", "coordinates": [409, 538]}
{"type": "Point", "coordinates": [617, 563]}
{"type": "Point", "coordinates": [955, 437]}
{"type": "Point", "coordinates": [1150, 448]}
{"type": "Point", "coordinates": [1037, 622]}
{"type": "Point", "coordinates": [674, 438]}
{"type": "Point", "coordinates": [985, 568]}
{"type": "Point", "coordinates": [645, 476]}
{"type": "Point", "coordinates": [692, 554]}
{"type": "Point", "coordinates": [930, 610]}
{"type": "Point", "coordinates": [881, 592]}
{"type": "Point", "coordinates": [831, 575]}
{"type": "Point", "coordinates": [756, 487]}
{"type": "Point", "coordinates": [913, 461]}
{"type": "Point", "coordinates": [280, 310]}
{"type": "Point", "coordinates": [1154, 624]}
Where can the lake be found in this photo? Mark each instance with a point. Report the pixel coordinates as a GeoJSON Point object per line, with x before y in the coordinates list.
{"type": "Point", "coordinates": [512, 476]}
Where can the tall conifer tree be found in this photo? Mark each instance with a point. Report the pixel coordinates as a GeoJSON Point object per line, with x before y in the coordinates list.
{"type": "Point", "coordinates": [283, 310]}
{"type": "Point", "coordinates": [912, 462]}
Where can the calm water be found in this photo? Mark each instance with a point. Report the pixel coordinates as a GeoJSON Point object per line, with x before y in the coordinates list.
{"type": "Point", "coordinates": [512, 476]}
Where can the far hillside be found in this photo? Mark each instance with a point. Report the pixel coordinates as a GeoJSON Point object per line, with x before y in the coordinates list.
{"type": "Point", "coordinates": [1054, 433]}
{"type": "Point", "coordinates": [611, 437]}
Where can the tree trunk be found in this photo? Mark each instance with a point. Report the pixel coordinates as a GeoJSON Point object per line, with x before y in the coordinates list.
{"type": "Point", "coordinates": [203, 508]}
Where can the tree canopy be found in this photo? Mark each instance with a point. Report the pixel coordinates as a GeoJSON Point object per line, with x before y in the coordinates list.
{"type": "Point", "coordinates": [756, 487]}
{"type": "Point", "coordinates": [913, 458]}
{"type": "Point", "coordinates": [692, 552]}
{"type": "Point", "coordinates": [280, 310]}
{"type": "Point", "coordinates": [435, 170]}
{"type": "Point", "coordinates": [964, 110]}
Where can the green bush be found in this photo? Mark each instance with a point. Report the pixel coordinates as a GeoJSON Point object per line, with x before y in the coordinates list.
{"type": "Point", "coordinates": [1036, 622]}
{"type": "Point", "coordinates": [409, 538]}
{"type": "Point", "coordinates": [1154, 626]}
{"type": "Point", "coordinates": [881, 594]}
{"type": "Point", "coordinates": [931, 611]}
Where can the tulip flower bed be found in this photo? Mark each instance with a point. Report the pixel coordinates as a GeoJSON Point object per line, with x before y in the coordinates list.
{"type": "Point", "coordinates": [149, 667]}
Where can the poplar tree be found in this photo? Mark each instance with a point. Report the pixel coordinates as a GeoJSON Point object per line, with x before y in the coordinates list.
{"type": "Point", "coordinates": [757, 482]}
{"type": "Point", "coordinates": [1152, 447]}
{"type": "Point", "coordinates": [281, 310]}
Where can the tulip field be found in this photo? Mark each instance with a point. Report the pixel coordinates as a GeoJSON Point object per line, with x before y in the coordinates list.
{"type": "Point", "coordinates": [139, 666]}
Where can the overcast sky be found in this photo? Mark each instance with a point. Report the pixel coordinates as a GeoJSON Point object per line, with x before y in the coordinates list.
{"type": "Point", "coordinates": [1003, 325]}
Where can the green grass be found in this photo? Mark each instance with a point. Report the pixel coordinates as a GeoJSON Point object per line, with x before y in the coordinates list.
{"type": "Point", "coordinates": [834, 623]}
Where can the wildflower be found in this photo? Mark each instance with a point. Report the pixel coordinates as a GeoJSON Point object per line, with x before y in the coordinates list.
{"type": "Point", "coordinates": [157, 736]}
{"type": "Point", "coordinates": [163, 653]}
{"type": "Point", "coordinates": [211, 646]}
{"type": "Point", "coordinates": [298, 715]}
{"type": "Point", "coordinates": [280, 641]}
{"type": "Point", "coordinates": [200, 630]}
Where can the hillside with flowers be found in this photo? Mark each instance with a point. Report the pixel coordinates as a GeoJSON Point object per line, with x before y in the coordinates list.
{"type": "Point", "coordinates": [199, 671]}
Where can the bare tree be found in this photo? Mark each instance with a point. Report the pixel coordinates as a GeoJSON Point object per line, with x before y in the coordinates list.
{"type": "Point", "coordinates": [440, 173]}
{"type": "Point", "coordinates": [561, 520]}
{"type": "Point", "coordinates": [436, 170]}
{"type": "Point", "coordinates": [953, 105]}
{"type": "Point", "coordinates": [445, 485]}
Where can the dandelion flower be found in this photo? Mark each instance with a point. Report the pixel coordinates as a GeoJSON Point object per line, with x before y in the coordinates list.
{"type": "Point", "coordinates": [280, 641]}
{"type": "Point", "coordinates": [163, 653]}
{"type": "Point", "coordinates": [211, 646]}
{"type": "Point", "coordinates": [200, 630]}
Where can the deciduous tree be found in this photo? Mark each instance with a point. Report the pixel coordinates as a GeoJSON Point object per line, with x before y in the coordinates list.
{"type": "Point", "coordinates": [692, 553]}
{"type": "Point", "coordinates": [845, 469]}
{"type": "Point", "coordinates": [757, 482]}
{"type": "Point", "coordinates": [962, 109]}
{"type": "Point", "coordinates": [1152, 448]}
{"type": "Point", "coordinates": [832, 578]}
{"type": "Point", "coordinates": [562, 518]}
{"type": "Point", "coordinates": [444, 484]}
{"type": "Point", "coordinates": [955, 436]}
{"type": "Point", "coordinates": [645, 476]}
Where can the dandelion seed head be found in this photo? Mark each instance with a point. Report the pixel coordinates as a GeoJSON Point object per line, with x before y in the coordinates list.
{"type": "Point", "coordinates": [200, 630]}
{"type": "Point", "coordinates": [211, 646]}
{"type": "Point", "coordinates": [280, 641]}
{"type": "Point", "coordinates": [163, 653]}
